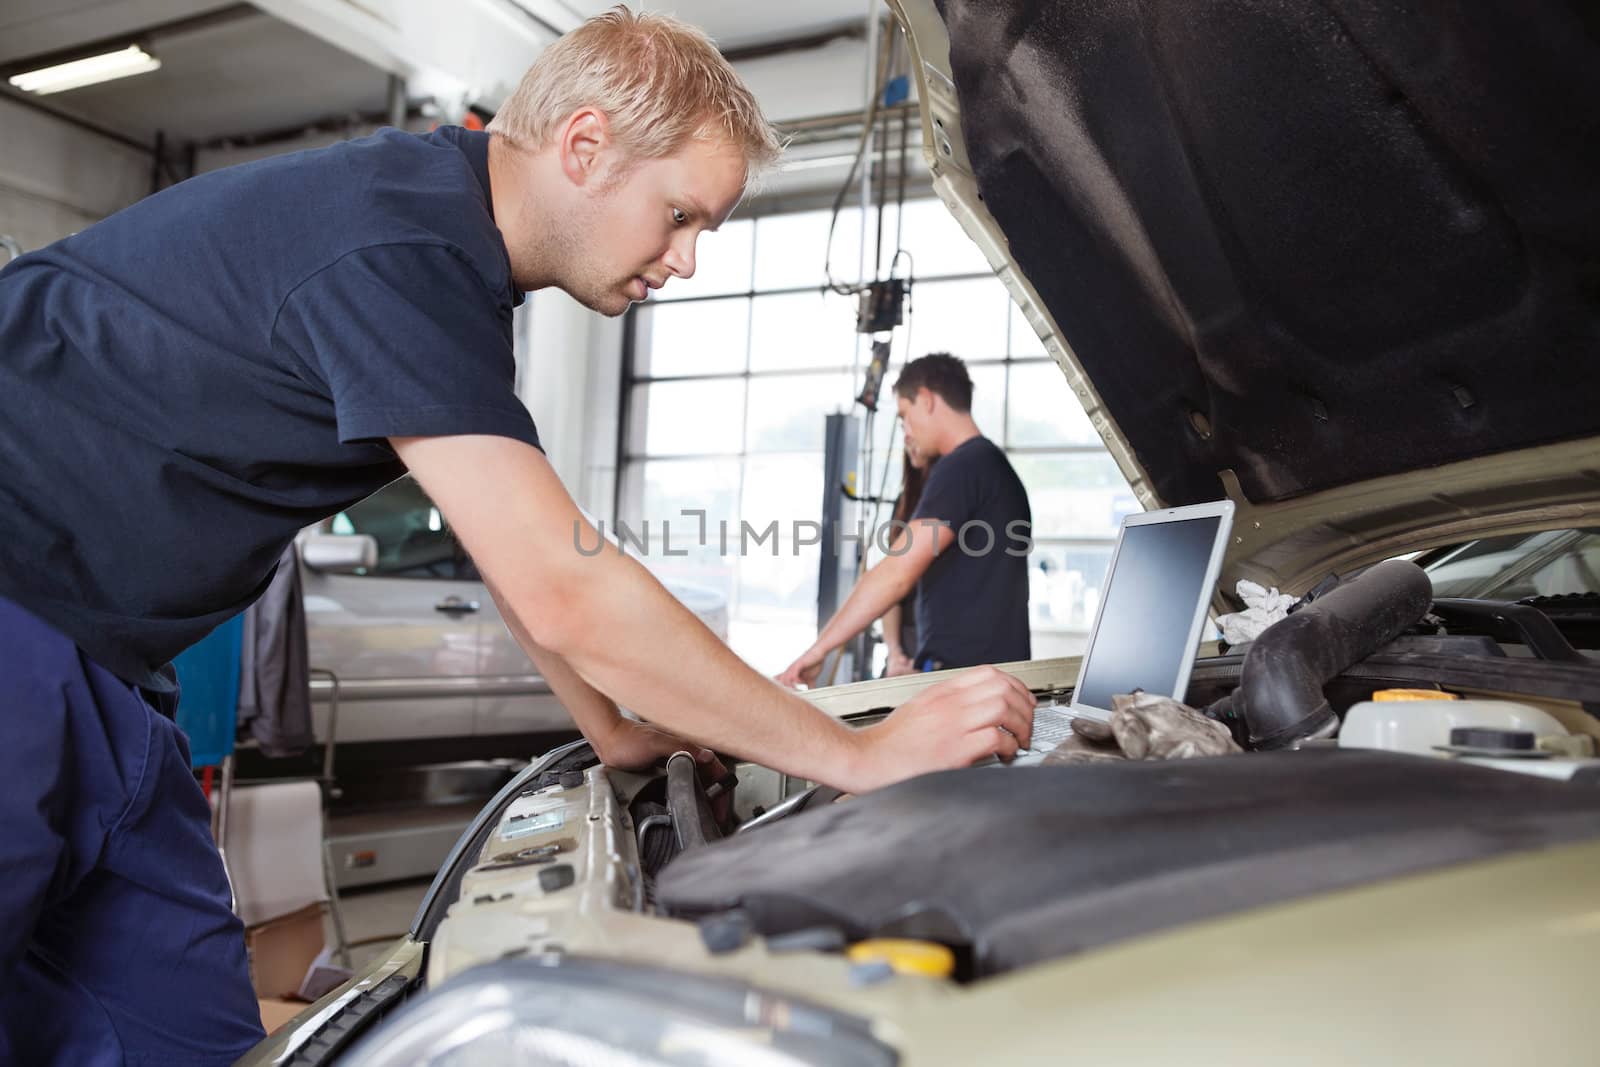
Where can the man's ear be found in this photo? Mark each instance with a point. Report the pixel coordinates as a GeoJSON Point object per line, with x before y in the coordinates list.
{"type": "Point", "coordinates": [583, 145]}
{"type": "Point", "coordinates": [927, 399]}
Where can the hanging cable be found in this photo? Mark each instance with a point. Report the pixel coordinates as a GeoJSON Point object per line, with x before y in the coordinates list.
{"type": "Point", "coordinates": [900, 195]}
{"type": "Point", "coordinates": [883, 163]}
{"type": "Point", "coordinates": [868, 120]}
{"type": "Point", "coordinates": [881, 301]}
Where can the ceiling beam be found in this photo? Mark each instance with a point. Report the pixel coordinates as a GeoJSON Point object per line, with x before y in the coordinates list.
{"type": "Point", "coordinates": [852, 29]}
{"type": "Point", "coordinates": [462, 53]}
{"type": "Point", "coordinates": [143, 35]}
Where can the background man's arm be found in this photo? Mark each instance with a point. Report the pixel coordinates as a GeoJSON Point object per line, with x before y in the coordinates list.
{"type": "Point", "coordinates": [893, 626]}
{"type": "Point", "coordinates": [883, 586]}
{"type": "Point", "coordinates": [621, 632]}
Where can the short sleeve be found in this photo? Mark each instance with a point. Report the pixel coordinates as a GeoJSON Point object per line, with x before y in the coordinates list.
{"type": "Point", "coordinates": [952, 492]}
{"type": "Point", "coordinates": [410, 341]}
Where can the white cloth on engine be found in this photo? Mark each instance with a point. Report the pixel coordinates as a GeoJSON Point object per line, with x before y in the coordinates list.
{"type": "Point", "coordinates": [1263, 607]}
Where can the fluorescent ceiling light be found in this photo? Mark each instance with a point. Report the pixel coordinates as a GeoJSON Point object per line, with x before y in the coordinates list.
{"type": "Point", "coordinates": [81, 72]}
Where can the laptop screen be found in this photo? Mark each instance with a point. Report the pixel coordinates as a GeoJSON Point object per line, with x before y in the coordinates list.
{"type": "Point", "coordinates": [1147, 615]}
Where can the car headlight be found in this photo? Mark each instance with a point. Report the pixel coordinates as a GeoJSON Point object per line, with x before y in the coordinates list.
{"type": "Point", "coordinates": [565, 1012]}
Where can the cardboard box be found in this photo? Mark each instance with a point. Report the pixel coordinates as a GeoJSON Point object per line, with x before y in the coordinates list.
{"type": "Point", "coordinates": [275, 849]}
{"type": "Point", "coordinates": [282, 950]}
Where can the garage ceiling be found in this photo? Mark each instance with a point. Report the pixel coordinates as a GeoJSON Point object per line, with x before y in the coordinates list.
{"type": "Point", "coordinates": [745, 24]}
{"type": "Point", "coordinates": [235, 70]}
{"type": "Point", "coordinates": [36, 27]}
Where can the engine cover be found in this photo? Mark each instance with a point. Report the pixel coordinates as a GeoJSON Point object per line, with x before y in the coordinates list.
{"type": "Point", "coordinates": [1020, 865]}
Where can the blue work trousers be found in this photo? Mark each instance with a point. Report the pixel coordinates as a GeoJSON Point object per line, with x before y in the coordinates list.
{"type": "Point", "coordinates": [117, 941]}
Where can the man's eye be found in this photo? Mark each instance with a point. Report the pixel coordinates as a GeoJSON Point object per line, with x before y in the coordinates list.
{"type": "Point", "coordinates": [678, 216]}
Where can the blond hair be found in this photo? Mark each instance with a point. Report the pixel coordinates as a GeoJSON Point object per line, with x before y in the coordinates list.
{"type": "Point", "coordinates": [660, 82]}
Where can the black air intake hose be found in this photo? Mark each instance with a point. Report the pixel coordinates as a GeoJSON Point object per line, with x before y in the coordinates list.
{"type": "Point", "coordinates": [692, 820]}
{"type": "Point", "coordinates": [1280, 693]}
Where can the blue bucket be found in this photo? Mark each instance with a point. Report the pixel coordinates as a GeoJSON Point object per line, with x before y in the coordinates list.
{"type": "Point", "coordinates": [208, 709]}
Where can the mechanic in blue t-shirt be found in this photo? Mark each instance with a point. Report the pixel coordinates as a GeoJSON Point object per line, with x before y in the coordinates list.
{"type": "Point", "coordinates": [190, 382]}
{"type": "Point", "coordinates": [965, 549]}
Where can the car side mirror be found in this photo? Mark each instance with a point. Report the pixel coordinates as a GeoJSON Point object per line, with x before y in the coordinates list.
{"type": "Point", "coordinates": [339, 553]}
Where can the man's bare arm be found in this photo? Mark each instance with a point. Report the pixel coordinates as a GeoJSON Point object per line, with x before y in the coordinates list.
{"type": "Point", "coordinates": [627, 637]}
{"type": "Point", "coordinates": [893, 623]}
{"type": "Point", "coordinates": [911, 553]}
{"type": "Point", "coordinates": [618, 741]}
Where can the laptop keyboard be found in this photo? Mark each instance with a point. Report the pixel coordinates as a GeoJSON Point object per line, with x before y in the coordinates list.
{"type": "Point", "coordinates": [1052, 724]}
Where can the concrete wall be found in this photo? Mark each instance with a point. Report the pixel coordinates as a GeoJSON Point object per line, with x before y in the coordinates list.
{"type": "Point", "coordinates": [56, 178]}
{"type": "Point", "coordinates": [569, 373]}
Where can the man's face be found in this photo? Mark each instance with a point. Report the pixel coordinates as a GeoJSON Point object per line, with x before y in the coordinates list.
{"type": "Point", "coordinates": [916, 416]}
{"type": "Point", "coordinates": [638, 230]}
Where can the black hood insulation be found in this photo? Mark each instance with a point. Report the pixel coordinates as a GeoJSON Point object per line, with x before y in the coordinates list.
{"type": "Point", "coordinates": [1310, 241]}
{"type": "Point", "coordinates": [1020, 865]}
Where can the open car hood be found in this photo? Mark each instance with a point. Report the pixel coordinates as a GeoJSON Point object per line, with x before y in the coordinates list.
{"type": "Point", "coordinates": [1335, 259]}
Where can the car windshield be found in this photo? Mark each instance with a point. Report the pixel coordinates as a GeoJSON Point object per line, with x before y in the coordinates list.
{"type": "Point", "coordinates": [1516, 566]}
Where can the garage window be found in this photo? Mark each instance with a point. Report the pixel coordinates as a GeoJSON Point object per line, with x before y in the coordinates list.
{"type": "Point", "coordinates": [729, 376]}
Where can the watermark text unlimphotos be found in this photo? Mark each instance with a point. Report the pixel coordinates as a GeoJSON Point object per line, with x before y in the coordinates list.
{"type": "Point", "coordinates": [975, 538]}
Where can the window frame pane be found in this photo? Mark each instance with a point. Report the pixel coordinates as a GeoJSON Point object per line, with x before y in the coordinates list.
{"type": "Point", "coordinates": [686, 321]}
{"type": "Point", "coordinates": [786, 304]}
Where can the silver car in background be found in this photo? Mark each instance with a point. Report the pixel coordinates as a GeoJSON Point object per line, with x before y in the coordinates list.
{"type": "Point", "coordinates": [397, 611]}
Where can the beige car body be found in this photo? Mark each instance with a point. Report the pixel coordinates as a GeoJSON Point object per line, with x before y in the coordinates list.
{"type": "Point", "coordinates": [1402, 970]}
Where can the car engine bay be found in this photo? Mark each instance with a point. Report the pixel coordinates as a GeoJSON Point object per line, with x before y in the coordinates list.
{"type": "Point", "coordinates": [1011, 867]}
{"type": "Point", "coordinates": [1003, 870]}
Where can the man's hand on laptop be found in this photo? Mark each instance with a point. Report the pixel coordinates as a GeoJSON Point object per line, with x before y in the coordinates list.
{"type": "Point", "coordinates": [979, 713]}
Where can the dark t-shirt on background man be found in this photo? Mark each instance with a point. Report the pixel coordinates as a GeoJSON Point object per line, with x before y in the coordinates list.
{"type": "Point", "coordinates": [190, 382]}
{"type": "Point", "coordinates": [972, 607]}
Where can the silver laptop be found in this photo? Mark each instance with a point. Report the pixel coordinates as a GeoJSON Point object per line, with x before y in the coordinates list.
{"type": "Point", "coordinates": [1151, 614]}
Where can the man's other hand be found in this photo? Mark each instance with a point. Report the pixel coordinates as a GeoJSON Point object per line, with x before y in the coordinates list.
{"type": "Point", "coordinates": [899, 664]}
{"type": "Point", "coordinates": [979, 713]}
{"type": "Point", "coordinates": [631, 745]}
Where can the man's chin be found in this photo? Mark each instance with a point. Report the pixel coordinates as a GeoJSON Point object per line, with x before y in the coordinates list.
{"type": "Point", "coordinates": [611, 304]}
{"type": "Point", "coordinates": [613, 310]}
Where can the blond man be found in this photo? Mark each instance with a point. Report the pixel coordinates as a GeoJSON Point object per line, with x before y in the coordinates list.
{"type": "Point", "coordinates": [195, 379]}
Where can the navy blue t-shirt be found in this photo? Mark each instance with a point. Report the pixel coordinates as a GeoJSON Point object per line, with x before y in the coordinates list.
{"type": "Point", "coordinates": [972, 602]}
{"type": "Point", "coordinates": [190, 382]}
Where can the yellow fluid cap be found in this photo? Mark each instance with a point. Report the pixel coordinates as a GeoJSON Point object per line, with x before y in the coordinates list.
{"type": "Point", "coordinates": [1384, 696]}
{"type": "Point", "coordinates": [906, 957]}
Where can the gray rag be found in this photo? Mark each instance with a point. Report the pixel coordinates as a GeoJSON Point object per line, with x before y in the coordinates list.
{"type": "Point", "coordinates": [1144, 727]}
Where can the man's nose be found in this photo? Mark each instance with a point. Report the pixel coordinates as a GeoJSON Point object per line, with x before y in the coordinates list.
{"type": "Point", "coordinates": [680, 258]}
